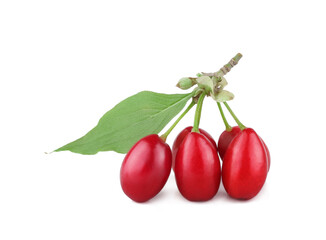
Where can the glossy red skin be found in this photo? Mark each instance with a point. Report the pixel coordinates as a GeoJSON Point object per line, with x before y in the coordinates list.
{"type": "Point", "coordinates": [225, 139]}
{"type": "Point", "coordinates": [268, 155]}
{"type": "Point", "coordinates": [146, 168]}
{"type": "Point", "coordinates": [180, 138]}
{"type": "Point", "coordinates": [245, 166]}
{"type": "Point", "coordinates": [197, 168]}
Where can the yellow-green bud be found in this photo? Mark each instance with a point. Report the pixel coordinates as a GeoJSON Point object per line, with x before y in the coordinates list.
{"type": "Point", "coordinates": [185, 83]}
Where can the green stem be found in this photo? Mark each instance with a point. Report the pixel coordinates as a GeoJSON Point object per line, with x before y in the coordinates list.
{"type": "Point", "coordinates": [165, 135]}
{"type": "Point", "coordinates": [227, 126]}
{"type": "Point", "coordinates": [198, 112]}
{"type": "Point", "coordinates": [234, 116]}
{"type": "Point", "coordinates": [234, 61]}
{"type": "Point", "coordinates": [226, 68]}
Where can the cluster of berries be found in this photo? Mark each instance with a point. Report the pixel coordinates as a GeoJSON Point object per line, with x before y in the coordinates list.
{"type": "Point", "coordinates": [195, 161]}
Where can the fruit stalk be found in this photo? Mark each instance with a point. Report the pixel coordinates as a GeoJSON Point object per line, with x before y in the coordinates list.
{"type": "Point", "coordinates": [241, 126]}
{"type": "Point", "coordinates": [198, 112]}
{"type": "Point", "coordinates": [227, 126]}
{"type": "Point", "coordinates": [165, 135]}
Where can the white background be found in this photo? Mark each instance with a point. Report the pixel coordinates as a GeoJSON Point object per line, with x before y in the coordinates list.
{"type": "Point", "coordinates": [63, 64]}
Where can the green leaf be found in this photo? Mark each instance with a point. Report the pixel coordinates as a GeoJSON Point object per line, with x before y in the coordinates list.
{"type": "Point", "coordinates": [135, 117]}
{"type": "Point", "coordinates": [223, 96]}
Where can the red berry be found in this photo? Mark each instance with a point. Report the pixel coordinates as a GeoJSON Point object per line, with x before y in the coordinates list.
{"type": "Point", "coordinates": [197, 168]}
{"type": "Point", "coordinates": [225, 139]}
{"type": "Point", "coordinates": [268, 155]}
{"type": "Point", "coordinates": [245, 166]}
{"type": "Point", "coordinates": [180, 138]}
{"type": "Point", "coordinates": [146, 168]}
